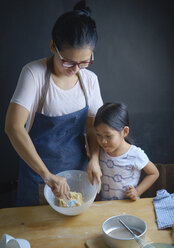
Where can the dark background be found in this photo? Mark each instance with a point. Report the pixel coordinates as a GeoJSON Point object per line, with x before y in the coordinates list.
{"type": "Point", "coordinates": [134, 61]}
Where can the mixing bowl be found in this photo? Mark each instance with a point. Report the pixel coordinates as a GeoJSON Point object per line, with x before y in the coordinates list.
{"type": "Point", "coordinates": [115, 234]}
{"type": "Point", "coordinates": [78, 182]}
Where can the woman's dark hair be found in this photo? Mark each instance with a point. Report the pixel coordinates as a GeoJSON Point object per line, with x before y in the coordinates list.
{"type": "Point", "coordinates": [75, 28]}
{"type": "Point", "coordinates": [115, 115]}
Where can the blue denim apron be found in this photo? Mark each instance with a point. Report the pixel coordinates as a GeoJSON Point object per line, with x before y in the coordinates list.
{"type": "Point", "coordinates": [60, 143]}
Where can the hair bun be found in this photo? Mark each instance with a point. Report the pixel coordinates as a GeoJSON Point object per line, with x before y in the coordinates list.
{"type": "Point", "coordinates": [81, 9]}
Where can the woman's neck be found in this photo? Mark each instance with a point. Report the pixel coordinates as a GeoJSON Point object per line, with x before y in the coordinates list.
{"type": "Point", "coordinates": [62, 81]}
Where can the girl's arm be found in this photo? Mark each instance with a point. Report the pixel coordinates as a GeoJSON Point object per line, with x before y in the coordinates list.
{"type": "Point", "coordinates": [15, 129]}
{"type": "Point", "coordinates": [151, 176]}
{"type": "Point", "coordinates": [93, 167]}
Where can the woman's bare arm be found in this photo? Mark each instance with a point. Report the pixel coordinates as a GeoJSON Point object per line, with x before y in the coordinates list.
{"type": "Point", "coordinates": [15, 129]}
{"type": "Point", "coordinates": [93, 168]}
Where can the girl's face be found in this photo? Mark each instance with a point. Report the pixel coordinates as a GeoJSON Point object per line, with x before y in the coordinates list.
{"type": "Point", "coordinates": [71, 55]}
{"type": "Point", "coordinates": [110, 139]}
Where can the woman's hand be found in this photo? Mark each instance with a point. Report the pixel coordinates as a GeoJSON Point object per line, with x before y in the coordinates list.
{"type": "Point", "coordinates": [132, 193]}
{"type": "Point", "coordinates": [94, 172]}
{"type": "Point", "coordinates": [93, 167]}
{"type": "Point", "coordinates": [58, 185]}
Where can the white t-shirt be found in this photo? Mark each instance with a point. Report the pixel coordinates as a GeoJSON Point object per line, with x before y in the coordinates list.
{"type": "Point", "coordinates": [58, 101]}
{"type": "Point", "coordinates": [120, 172]}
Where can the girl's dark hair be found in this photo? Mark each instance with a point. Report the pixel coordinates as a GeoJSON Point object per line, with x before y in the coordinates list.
{"type": "Point", "coordinates": [115, 115]}
{"type": "Point", "coordinates": [75, 28]}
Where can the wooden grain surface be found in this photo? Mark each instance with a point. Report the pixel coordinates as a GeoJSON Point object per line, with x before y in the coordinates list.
{"type": "Point", "coordinates": [44, 227]}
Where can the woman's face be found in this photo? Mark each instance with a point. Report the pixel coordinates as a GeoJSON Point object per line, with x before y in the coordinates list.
{"type": "Point", "coordinates": [71, 56]}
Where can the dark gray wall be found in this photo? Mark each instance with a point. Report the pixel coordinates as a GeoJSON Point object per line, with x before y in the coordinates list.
{"type": "Point", "coordinates": [134, 61]}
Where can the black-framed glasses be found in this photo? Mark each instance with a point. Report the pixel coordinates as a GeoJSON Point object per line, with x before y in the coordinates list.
{"type": "Point", "coordinates": [69, 63]}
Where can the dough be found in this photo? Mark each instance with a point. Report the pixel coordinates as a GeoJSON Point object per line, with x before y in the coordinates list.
{"type": "Point", "coordinates": [73, 196]}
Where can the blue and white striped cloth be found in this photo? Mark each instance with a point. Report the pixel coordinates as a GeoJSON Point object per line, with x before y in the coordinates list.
{"type": "Point", "coordinates": [164, 208]}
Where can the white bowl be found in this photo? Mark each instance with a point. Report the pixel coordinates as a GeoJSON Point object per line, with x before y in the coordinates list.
{"type": "Point", "coordinates": [78, 182]}
{"type": "Point", "coordinates": [8, 241]}
{"type": "Point", "coordinates": [115, 234]}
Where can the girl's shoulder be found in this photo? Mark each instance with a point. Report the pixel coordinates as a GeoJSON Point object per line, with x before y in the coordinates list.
{"type": "Point", "coordinates": [135, 150]}
{"type": "Point", "coordinates": [138, 156]}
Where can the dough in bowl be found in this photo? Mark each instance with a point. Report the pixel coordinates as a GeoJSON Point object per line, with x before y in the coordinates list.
{"type": "Point", "coordinates": [73, 196]}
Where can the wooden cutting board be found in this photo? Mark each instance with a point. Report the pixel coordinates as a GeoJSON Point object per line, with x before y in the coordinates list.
{"type": "Point", "coordinates": [172, 234]}
{"type": "Point", "coordinates": [96, 243]}
{"type": "Point", "coordinates": [99, 242]}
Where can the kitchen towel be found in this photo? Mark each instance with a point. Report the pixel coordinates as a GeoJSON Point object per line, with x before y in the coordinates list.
{"type": "Point", "coordinates": [164, 208]}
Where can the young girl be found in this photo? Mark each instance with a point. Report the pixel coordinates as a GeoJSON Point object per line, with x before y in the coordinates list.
{"type": "Point", "coordinates": [120, 162]}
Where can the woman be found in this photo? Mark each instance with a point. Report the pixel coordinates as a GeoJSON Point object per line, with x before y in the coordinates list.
{"type": "Point", "coordinates": [54, 104]}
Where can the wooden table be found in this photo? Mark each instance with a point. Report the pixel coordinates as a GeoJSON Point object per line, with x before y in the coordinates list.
{"type": "Point", "coordinates": [43, 227]}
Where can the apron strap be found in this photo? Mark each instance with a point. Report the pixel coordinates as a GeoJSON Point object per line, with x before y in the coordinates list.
{"type": "Point", "coordinates": [46, 85]}
{"type": "Point", "coordinates": [83, 88]}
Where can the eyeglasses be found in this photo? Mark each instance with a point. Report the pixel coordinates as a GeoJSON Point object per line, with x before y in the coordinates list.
{"type": "Point", "coordinates": [69, 63]}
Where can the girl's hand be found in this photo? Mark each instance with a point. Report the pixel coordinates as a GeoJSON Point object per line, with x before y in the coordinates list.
{"type": "Point", "coordinates": [94, 172]}
{"type": "Point", "coordinates": [132, 193]}
{"type": "Point", "coordinates": [58, 185]}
